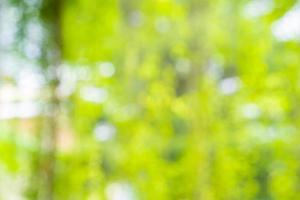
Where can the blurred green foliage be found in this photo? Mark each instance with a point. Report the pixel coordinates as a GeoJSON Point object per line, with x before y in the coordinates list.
{"type": "Point", "coordinates": [172, 99]}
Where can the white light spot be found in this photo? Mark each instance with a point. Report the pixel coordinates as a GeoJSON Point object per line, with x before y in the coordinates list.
{"type": "Point", "coordinates": [32, 50]}
{"type": "Point", "coordinates": [257, 8]}
{"type": "Point", "coordinates": [68, 81]}
{"type": "Point", "coordinates": [230, 85]}
{"type": "Point", "coordinates": [214, 69]}
{"type": "Point", "coordinates": [106, 69]}
{"type": "Point", "coordinates": [94, 94]}
{"type": "Point", "coordinates": [183, 66]}
{"type": "Point", "coordinates": [30, 79]}
{"type": "Point", "coordinates": [10, 64]}
{"type": "Point", "coordinates": [162, 24]}
{"type": "Point", "coordinates": [251, 111]}
{"type": "Point", "coordinates": [136, 18]}
{"type": "Point", "coordinates": [288, 27]}
{"type": "Point", "coordinates": [27, 109]}
{"type": "Point", "coordinates": [119, 191]}
{"type": "Point", "coordinates": [29, 83]}
{"type": "Point", "coordinates": [8, 93]}
{"type": "Point", "coordinates": [34, 40]}
{"type": "Point", "coordinates": [82, 73]}
{"type": "Point", "coordinates": [8, 25]}
{"type": "Point", "coordinates": [31, 2]}
{"type": "Point", "coordinates": [104, 131]}
{"type": "Point", "coordinates": [7, 110]}
{"type": "Point", "coordinates": [12, 186]}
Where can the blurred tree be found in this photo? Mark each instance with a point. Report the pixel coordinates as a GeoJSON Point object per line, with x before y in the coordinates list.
{"type": "Point", "coordinates": [183, 99]}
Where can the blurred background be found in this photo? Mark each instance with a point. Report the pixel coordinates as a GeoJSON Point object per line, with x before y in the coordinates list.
{"type": "Point", "coordinates": [149, 100]}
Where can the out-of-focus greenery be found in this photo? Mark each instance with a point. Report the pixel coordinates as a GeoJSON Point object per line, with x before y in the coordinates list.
{"type": "Point", "coordinates": [161, 99]}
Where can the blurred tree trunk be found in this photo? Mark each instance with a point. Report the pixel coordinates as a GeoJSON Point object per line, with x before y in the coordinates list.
{"type": "Point", "coordinates": [51, 15]}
